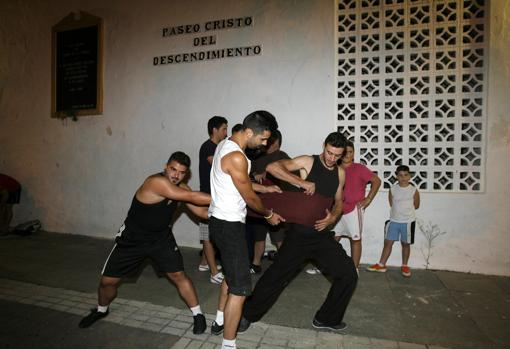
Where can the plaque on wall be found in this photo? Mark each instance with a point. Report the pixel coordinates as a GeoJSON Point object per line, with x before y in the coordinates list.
{"type": "Point", "coordinates": [77, 66]}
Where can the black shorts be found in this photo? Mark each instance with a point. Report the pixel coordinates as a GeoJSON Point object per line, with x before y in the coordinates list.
{"type": "Point", "coordinates": [128, 255]}
{"type": "Point", "coordinates": [230, 239]}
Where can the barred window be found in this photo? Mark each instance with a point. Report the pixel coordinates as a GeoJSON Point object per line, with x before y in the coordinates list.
{"type": "Point", "coordinates": [411, 88]}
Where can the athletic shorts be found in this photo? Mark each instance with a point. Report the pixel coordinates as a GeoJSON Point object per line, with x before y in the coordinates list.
{"type": "Point", "coordinates": [351, 224]}
{"type": "Point", "coordinates": [128, 255]}
{"type": "Point", "coordinates": [399, 231]}
{"type": "Point", "coordinates": [230, 239]}
{"type": "Point", "coordinates": [203, 229]}
{"type": "Point", "coordinates": [260, 229]}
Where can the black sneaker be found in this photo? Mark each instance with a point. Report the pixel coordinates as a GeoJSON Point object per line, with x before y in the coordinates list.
{"type": "Point", "coordinates": [255, 269]}
{"type": "Point", "coordinates": [339, 327]}
{"type": "Point", "coordinates": [244, 324]}
{"type": "Point", "coordinates": [216, 329]}
{"type": "Point", "coordinates": [199, 324]}
{"type": "Point", "coordinates": [94, 315]}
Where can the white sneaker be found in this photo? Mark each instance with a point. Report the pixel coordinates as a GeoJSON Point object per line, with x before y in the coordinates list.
{"type": "Point", "coordinates": [313, 271]}
{"type": "Point", "coordinates": [203, 267]}
{"type": "Point", "coordinates": [217, 279]}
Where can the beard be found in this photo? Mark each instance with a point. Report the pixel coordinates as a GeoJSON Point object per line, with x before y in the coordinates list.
{"type": "Point", "coordinates": [254, 153]}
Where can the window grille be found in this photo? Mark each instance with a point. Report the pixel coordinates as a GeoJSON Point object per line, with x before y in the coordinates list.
{"type": "Point", "coordinates": [411, 88]}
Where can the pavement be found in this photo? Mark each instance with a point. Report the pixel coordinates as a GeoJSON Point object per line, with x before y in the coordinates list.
{"type": "Point", "coordinates": [48, 282]}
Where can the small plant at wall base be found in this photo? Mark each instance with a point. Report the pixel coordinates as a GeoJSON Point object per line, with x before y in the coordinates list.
{"type": "Point", "coordinates": [431, 233]}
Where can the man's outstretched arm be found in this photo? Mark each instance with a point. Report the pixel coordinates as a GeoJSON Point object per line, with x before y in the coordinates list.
{"type": "Point", "coordinates": [283, 169]}
{"type": "Point", "coordinates": [166, 189]}
{"type": "Point", "coordinates": [199, 211]}
{"type": "Point", "coordinates": [236, 166]}
{"type": "Point", "coordinates": [260, 188]}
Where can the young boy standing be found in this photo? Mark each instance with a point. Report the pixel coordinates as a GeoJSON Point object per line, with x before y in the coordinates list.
{"type": "Point", "coordinates": [404, 200]}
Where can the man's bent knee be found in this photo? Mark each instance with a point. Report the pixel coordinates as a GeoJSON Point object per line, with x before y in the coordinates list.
{"type": "Point", "coordinates": [241, 291]}
{"type": "Point", "coordinates": [348, 277]}
{"type": "Point", "coordinates": [177, 277]}
{"type": "Point", "coordinates": [108, 281]}
{"type": "Point", "coordinates": [348, 273]}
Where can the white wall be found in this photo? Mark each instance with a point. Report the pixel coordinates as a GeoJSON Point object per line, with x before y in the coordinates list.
{"type": "Point", "coordinates": [76, 178]}
{"type": "Point", "coordinates": [476, 225]}
{"type": "Point", "coordinates": [79, 179]}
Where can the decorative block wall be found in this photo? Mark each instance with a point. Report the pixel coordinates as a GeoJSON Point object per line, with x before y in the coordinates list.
{"type": "Point", "coordinates": [411, 88]}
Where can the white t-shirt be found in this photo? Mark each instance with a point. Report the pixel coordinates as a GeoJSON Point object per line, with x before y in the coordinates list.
{"type": "Point", "coordinates": [402, 208]}
{"type": "Point", "coordinates": [226, 202]}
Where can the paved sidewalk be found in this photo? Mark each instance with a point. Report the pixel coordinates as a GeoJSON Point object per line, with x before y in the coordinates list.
{"type": "Point", "coordinates": [48, 282]}
{"type": "Point", "coordinates": [178, 322]}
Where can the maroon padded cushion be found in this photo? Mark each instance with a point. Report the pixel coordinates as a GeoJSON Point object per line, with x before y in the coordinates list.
{"type": "Point", "coordinates": [297, 207]}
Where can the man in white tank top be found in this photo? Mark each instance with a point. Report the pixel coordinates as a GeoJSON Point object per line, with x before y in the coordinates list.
{"type": "Point", "coordinates": [231, 191]}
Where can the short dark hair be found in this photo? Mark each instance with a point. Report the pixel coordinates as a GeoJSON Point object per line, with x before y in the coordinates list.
{"type": "Point", "coordinates": [181, 158]}
{"type": "Point", "coordinates": [260, 121]}
{"type": "Point", "coordinates": [215, 122]}
{"type": "Point", "coordinates": [237, 128]}
{"type": "Point", "coordinates": [337, 140]}
{"type": "Point", "coordinates": [401, 168]}
{"type": "Point", "coordinates": [276, 135]}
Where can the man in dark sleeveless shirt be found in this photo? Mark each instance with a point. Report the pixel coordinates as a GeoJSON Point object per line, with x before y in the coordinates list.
{"type": "Point", "coordinates": [146, 233]}
{"type": "Point", "coordinates": [302, 242]}
{"type": "Point", "coordinates": [217, 130]}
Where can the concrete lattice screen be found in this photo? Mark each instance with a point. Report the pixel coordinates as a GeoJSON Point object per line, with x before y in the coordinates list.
{"type": "Point", "coordinates": [412, 86]}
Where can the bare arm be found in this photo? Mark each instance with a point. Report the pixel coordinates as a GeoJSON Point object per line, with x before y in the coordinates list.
{"type": "Point", "coordinates": [156, 188]}
{"type": "Point", "coordinates": [416, 199]}
{"type": "Point", "coordinates": [283, 169]}
{"type": "Point", "coordinates": [210, 159]}
{"type": "Point", "coordinates": [236, 166]}
{"type": "Point", "coordinates": [333, 216]}
{"type": "Point", "coordinates": [390, 198]}
{"type": "Point", "coordinates": [375, 183]}
{"type": "Point", "coordinates": [199, 211]}
{"type": "Point", "coordinates": [259, 188]}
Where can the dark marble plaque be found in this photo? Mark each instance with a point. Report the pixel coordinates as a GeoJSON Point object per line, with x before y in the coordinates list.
{"type": "Point", "coordinates": [77, 66]}
{"type": "Point", "coordinates": [77, 69]}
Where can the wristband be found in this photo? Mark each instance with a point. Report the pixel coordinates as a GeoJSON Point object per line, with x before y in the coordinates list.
{"type": "Point", "coordinates": [270, 216]}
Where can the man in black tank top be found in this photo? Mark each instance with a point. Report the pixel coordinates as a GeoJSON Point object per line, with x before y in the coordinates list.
{"type": "Point", "coordinates": [322, 176]}
{"type": "Point", "coordinates": [146, 233]}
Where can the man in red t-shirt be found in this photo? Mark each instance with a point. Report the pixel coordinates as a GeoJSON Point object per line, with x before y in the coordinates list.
{"type": "Point", "coordinates": [357, 176]}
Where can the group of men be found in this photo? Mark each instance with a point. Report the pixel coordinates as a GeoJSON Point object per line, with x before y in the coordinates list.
{"type": "Point", "coordinates": [310, 213]}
